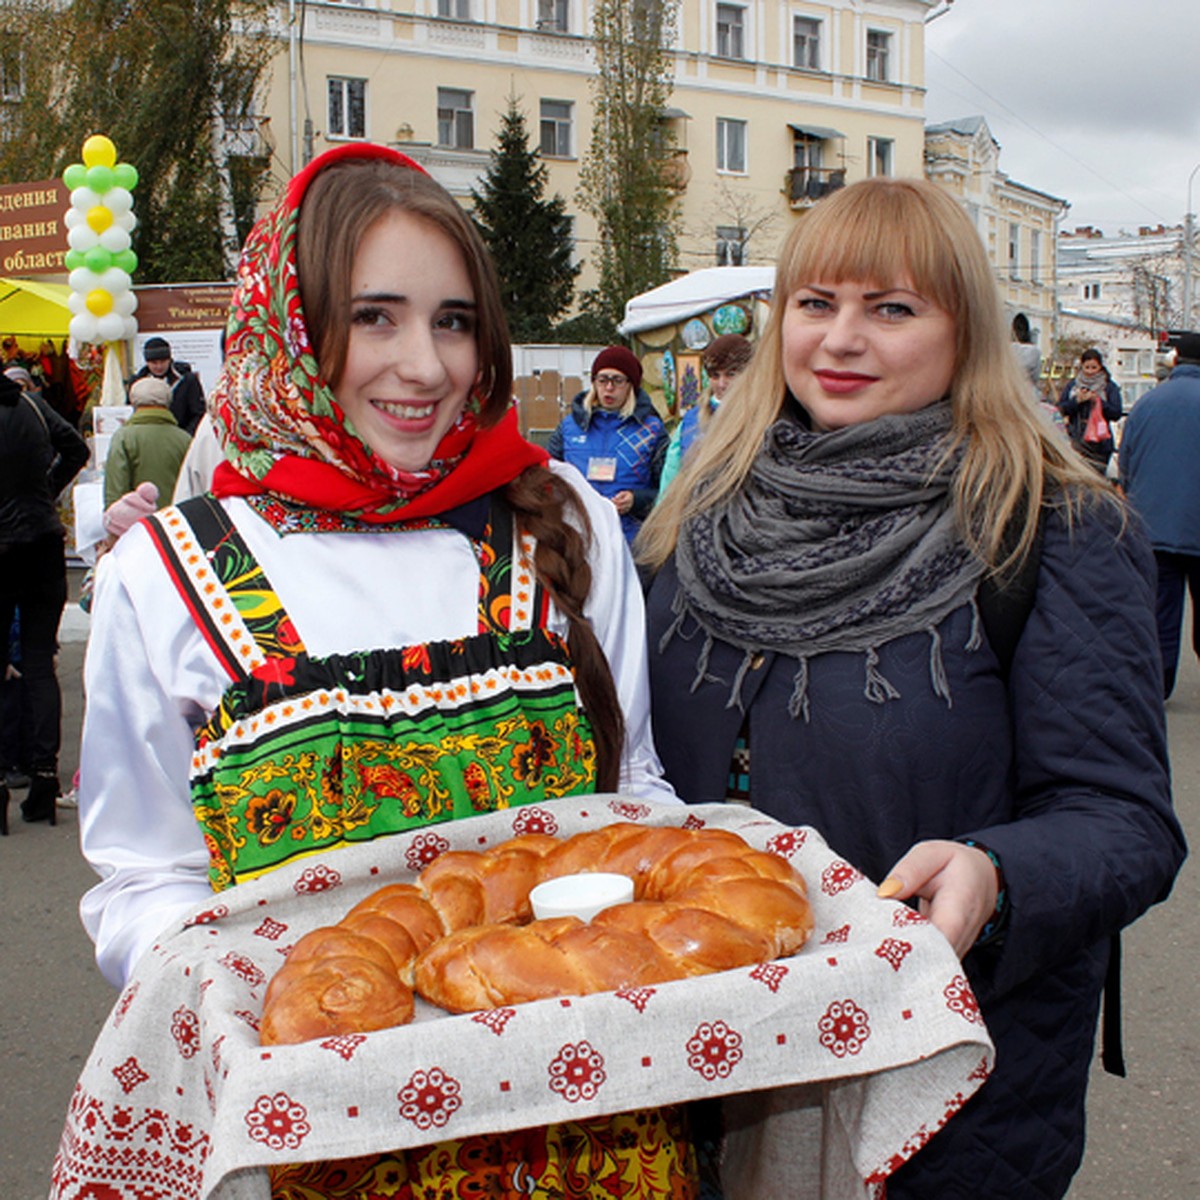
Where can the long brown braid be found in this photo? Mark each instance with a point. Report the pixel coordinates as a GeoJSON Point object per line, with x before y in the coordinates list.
{"type": "Point", "coordinates": [540, 501]}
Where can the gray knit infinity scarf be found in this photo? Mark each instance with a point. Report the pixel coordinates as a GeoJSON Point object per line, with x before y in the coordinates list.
{"type": "Point", "coordinates": [836, 541]}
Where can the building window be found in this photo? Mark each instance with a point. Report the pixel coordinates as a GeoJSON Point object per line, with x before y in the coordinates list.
{"type": "Point", "coordinates": [556, 128]}
{"type": "Point", "coordinates": [456, 10]}
{"type": "Point", "coordinates": [807, 152]}
{"type": "Point", "coordinates": [1014, 250]}
{"type": "Point", "coordinates": [348, 108]}
{"type": "Point", "coordinates": [1035, 255]}
{"type": "Point", "coordinates": [456, 119]}
{"type": "Point", "coordinates": [554, 15]}
{"type": "Point", "coordinates": [731, 246]}
{"type": "Point", "coordinates": [731, 31]}
{"type": "Point", "coordinates": [809, 179]}
{"type": "Point", "coordinates": [880, 156]}
{"type": "Point", "coordinates": [731, 145]}
{"type": "Point", "coordinates": [806, 43]}
{"type": "Point", "coordinates": [879, 54]}
{"type": "Point", "coordinates": [1091, 291]}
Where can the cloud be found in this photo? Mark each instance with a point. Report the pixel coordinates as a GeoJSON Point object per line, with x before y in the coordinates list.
{"type": "Point", "coordinates": [1096, 104]}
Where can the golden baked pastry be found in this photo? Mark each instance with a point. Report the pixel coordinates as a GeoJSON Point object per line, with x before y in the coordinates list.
{"type": "Point", "coordinates": [462, 936]}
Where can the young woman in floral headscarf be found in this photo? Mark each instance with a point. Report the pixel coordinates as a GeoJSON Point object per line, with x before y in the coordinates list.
{"type": "Point", "coordinates": [366, 532]}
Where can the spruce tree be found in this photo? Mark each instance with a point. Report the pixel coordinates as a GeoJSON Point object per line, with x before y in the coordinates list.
{"type": "Point", "coordinates": [528, 235]}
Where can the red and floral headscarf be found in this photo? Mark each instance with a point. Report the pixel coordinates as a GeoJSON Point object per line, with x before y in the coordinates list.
{"type": "Point", "coordinates": [284, 434]}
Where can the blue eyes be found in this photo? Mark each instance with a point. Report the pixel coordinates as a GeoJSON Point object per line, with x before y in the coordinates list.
{"type": "Point", "coordinates": [890, 310]}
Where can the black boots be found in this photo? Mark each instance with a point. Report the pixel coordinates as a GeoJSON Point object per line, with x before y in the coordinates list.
{"type": "Point", "coordinates": [3, 810]}
{"type": "Point", "coordinates": [39, 805]}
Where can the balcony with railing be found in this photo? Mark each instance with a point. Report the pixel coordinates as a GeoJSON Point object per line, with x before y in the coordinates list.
{"type": "Point", "coordinates": [804, 186]}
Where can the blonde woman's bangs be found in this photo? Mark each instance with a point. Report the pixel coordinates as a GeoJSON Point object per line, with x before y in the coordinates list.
{"type": "Point", "coordinates": [879, 231]}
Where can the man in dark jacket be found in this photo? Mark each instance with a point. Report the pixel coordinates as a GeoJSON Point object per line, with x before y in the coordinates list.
{"type": "Point", "coordinates": [187, 396]}
{"type": "Point", "coordinates": [40, 453]}
{"type": "Point", "coordinates": [1158, 472]}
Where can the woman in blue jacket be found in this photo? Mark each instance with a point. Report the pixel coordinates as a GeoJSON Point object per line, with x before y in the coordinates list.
{"type": "Point", "coordinates": [615, 438]}
{"type": "Point", "coordinates": [819, 619]}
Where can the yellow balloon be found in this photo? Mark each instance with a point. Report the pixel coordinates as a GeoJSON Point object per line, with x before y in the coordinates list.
{"type": "Point", "coordinates": [99, 301]}
{"type": "Point", "coordinates": [99, 218]}
{"type": "Point", "coordinates": [98, 151]}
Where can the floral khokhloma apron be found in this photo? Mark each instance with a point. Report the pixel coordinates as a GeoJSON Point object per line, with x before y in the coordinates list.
{"type": "Point", "coordinates": [305, 753]}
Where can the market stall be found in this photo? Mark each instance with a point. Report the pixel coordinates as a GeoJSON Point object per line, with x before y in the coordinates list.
{"type": "Point", "coordinates": [33, 311]}
{"type": "Point", "coordinates": [669, 327]}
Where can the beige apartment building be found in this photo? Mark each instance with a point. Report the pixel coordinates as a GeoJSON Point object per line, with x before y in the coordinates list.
{"type": "Point", "coordinates": [1018, 224]}
{"type": "Point", "coordinates": [775, 102]}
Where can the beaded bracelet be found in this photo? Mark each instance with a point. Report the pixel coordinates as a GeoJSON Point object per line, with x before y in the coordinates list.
{"type": "Point", "coordinates": [994, 928]}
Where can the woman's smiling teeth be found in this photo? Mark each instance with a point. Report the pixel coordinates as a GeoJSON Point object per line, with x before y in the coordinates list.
{"type": "Point", "coordinates": [404, 410]}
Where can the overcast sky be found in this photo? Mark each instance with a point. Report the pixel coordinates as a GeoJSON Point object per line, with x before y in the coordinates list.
{"type": "Point", "coordinates": [1094, 101]}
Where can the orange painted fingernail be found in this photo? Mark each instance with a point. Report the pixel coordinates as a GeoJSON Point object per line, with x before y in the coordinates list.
{"type": "Point", "coordinates": [890, 887]}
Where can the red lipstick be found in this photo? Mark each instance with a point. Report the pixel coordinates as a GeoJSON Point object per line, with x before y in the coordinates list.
{"type": "Point", "coordinates": [842, 383]}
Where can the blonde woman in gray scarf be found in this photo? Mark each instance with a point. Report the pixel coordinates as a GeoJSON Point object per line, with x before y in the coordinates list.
{"type": "Point", "coordinates": [882, 589]}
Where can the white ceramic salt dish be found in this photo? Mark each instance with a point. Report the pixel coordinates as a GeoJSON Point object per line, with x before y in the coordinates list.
{"type": "Point", "coordinates": [582, 895]}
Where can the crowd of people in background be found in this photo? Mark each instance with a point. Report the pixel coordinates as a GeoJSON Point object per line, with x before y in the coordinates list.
{"type": "Point", "coordinates": [46, 402]}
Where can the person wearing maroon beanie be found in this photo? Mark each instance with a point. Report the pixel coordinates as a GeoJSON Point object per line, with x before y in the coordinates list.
{"type": "Point", "coordinates": [614, 437]}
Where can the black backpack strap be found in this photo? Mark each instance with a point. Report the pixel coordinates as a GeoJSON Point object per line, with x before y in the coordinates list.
{"type": "Point", "coordinates": [1005, 603]}
{"type": "Point", "coordinates": [1112, 1051]}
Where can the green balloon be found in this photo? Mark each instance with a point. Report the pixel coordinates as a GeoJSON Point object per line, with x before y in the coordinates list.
{"type": "Point", "coordinates": [98, 259]}
{"type": "Point", "coordinates": [126, 260]}
{"type": "Point", "coordinates": [126, 176]}
{"type": "Point", "coordinates": [74, 259]}
{"type": "Point", "coordinates": [75, 176]}
{"type": "Point", "coordinates": [100, 179]}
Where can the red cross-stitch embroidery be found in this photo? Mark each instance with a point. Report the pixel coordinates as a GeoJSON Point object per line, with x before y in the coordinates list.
{"type": "Point", "coordinates": [577, 1072]}
{"type": "Point", "coordinates": [534, 820]}
{"type": "Point", "coordinates": [278, 1121]}
{"type": "Point", "coordinates": [714, 1050]}
{"type": "Point", "coordinates": [844, 1028]}
{"type": "Point", "coordinates": [430, 1098]}
{"type": "Point", "coordinates": [495, 1019]}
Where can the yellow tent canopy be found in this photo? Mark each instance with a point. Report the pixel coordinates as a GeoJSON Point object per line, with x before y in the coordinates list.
{"type": "Point", "coordinates": [33, 309]}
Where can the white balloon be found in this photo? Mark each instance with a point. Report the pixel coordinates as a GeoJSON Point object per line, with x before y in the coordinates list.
{"type": "Point", "coordinates": [72, 217]}
{"type": "Point", "coordinates": [131, 328]}
{"type": "Point", "coordinates": [126, 221]}
{"type": "Point", "coordinates": [77, 302]}
{"type": "Point", "coordinates": [116, 239]}
{"type": "Point", "coordinates": [125, 303]}
{"type": "Point", "coordinates": [111, 327]}
{"type": "Point", "coordinates": [115, 280]}
{"type": "Point", "coordinates": [83, 327]}
{"type": "Point", "coordinates": [84, 199]}
{"type": "Point", "coordinates": [82, 237]}
{"type": "Point", "coordinates": [119, 200]}
{"type": "Point", "coordinates": [83, 280]}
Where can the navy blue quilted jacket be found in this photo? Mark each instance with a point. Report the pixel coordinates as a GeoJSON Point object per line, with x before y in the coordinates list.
{"type": "Point", "coordinates": [1063, 773]}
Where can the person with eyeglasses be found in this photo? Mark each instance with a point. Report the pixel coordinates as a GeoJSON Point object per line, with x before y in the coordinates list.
{"type": "Point", "coordinates": [615, 438]}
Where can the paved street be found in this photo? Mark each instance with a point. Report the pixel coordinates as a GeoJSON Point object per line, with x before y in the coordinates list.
{"type": "Point", "coordinates": [53, 1000]}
